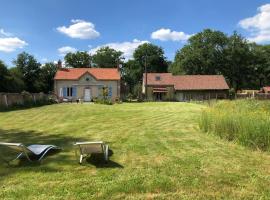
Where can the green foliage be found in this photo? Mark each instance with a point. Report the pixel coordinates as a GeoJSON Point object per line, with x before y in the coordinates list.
{"type": "Point", "coordinates": [105, 93]}
{"type": "Point", "coordinates": [78, 59]}
{"type": "Point", "coordinates": [202, 55]}
{"type": "Point", "coordinates": [131, 73]}
{"type": "Point", "coordinates": [149, 54]}
{"type": "Point", "coordinates": [16, 81]}
{"type": "Point", "coordinates": [28, 75]}
{"type": "Point", "coordinates": [244, 121]}
{"type": "Point", "coordinates": [3, 77]}
{"type": "Point", "coordinates": [103, 101]}
{"type": "Point", "coordinates": [152, 56]}
{"type": "Point", "coordinates": [30, 69]}
{"type": "Point", "coordinates": [243, 64]}
{"type": "Point", "coordinates": [47, 74]}
{"type": "Point", "coordinates": [232, 93]}
{"type": "Point", "coordinates": [11, 80]}
{"type": "Point", "coordinates": [107, 57]}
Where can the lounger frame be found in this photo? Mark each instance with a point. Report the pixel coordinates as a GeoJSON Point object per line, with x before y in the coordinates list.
{"type": "Point", "coordinates": [104, 150]}
{"type": "Point", "coordinates": [19, 147]}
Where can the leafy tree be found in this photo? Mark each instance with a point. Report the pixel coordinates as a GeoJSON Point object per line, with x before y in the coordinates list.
{"type": "Point", "coordinates": [3, 77]}
{"type": "Point", "coordinates": [107, 57]}
{"type": "Point", "coordinates": [30, 69]}
{"type": "Point", "coordinates": [243, 64]}
{"type": "Point", "coordinates": [47, 74]}
{"type": "Point", "coordinates": [202, 55]}
{"type": "Point", "coordinates": [16, 83]}
{"type": "Point", "coordinates": [260, 65]}
{"type": "Point", "coordinates": [78, 59]}
{"type": "Point", "coordinates": [238, 61]}
{"type": "Point", "coordinates": [152, 56]}
{"type": "Point", "coordinates": [132, 71]}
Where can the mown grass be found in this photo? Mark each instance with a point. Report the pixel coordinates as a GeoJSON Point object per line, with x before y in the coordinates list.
{"type": "Point", "coordinates": [244, 121]}
{"type": "Point", "coordinates": [158, 153]}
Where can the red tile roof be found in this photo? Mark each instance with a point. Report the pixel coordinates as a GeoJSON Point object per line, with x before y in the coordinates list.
{"type": "Point", "coordinates": [188, 82]}
{"type": "Point", "coordinates": [98, 73]}
{"type": "Point", "coordinates": [165, 79]}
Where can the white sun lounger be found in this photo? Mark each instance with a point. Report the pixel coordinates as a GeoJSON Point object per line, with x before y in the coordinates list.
{"type": "Point", "coordinates": [87, 148]}
{"type": "Point", "coordinates": [33, 150]}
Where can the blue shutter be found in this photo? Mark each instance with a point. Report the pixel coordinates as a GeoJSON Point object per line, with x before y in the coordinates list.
{"type": "Point", "coordinates": [110, 91]}
{"type": "Point", "coordinates": [64, 91]}
{"type": "Point", "coordinates": [74, 91]}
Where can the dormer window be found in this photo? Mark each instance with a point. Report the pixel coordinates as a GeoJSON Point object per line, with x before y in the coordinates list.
{"type": "Point", "coordinates": [157, 78]}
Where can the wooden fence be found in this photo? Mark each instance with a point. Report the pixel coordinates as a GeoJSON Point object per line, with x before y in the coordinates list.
{"type": "Point", "coordinates": [258, 96]}
{"type": "Point", "coordinates": [10, 99]}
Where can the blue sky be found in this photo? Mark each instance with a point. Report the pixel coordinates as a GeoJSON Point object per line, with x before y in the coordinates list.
{"type": "Point", "coordinates": [48, 29]}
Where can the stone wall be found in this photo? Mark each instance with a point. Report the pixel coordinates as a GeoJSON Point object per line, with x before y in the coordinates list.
{"type": "Point", "coordinates": [10, 99]}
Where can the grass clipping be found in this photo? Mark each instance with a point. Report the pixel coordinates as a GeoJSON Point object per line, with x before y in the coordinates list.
{"type": "Point", "coordinates": [245, 121]}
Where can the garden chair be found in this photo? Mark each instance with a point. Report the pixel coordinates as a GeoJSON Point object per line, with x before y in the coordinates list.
{"type": "Point", "coordinates": [36, 150]}
{"type": "Point", "coordinates": [88, 148]}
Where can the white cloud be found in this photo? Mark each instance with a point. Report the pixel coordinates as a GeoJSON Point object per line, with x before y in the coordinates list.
{"type": "Point", "coordinates": [66, 49]}
{"type": "Point", "coordinates": [258, 25]}
{"type": "Point", "coordinates": [126, 47]}
{"type": "Point", "coordinates": [10, 44]}
{"type": "Point", "coordinates": [167, 34]}
{"type": "Point", "coordinates": [4, 33]}
{"type": "Point", "coordinates": [80, 29]}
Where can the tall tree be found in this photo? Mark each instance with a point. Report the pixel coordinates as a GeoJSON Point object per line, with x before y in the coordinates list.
{"type": "Point", "coordinates": [149, 54]}
{"type": "Point", "coordinates": [238, 61]}
{"type": "Point", "coordinates": [260, 66]}
{"type": "Point", "coordinates": [131, 73]}
{"type": "Point", "coordinates": [202, 55]}
{"type": "Point", "coordinates": [30, 69]}
{"type": "Point", "coordinates": [152, 56]}
{"type": "Point", "coordinates": [16, 82]}
{"type": "Point", "coordinates": [107, 57]}
{"type": "Point", "coordinates": [4, 77]}
{"type": "Point", "coordinates": [47, 74]}
{"type": "Point", "coordinates": [78, 59]}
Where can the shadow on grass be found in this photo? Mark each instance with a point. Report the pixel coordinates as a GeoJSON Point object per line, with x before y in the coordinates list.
{"type": "Point", "coordinates": [14, 108]}
{"type": "Point", "coordinates": [98, 161]}
{"type": "Point", "coordinates": [55, 158]}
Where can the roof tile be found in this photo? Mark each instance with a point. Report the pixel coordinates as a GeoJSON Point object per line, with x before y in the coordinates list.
{"type": "Point", "coordinates": [188, 82]}
{"type": "Point", "coordinates": [98, 73]}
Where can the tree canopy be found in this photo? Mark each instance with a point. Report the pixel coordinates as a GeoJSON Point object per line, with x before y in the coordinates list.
{"type": "Point", "coordinates": [243, 64]}
{"type": "Point", "coordinates": [30, 69]}
{"type": "Point", "coordinates": [3, 77]}
{"type": "Point", "coordinates": [47, 74]}
{"type": "Point", "coordinates": [78, 59]}
{"type": "Point", "coordinates": [149, 54]}
{"type": "Point", "coordinates": [106, 57]}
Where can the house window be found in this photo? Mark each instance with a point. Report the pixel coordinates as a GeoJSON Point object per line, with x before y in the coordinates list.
{"type": "Point", "coordinates": [69, 91]}
{"type": "Point", "coordinates": [157, 78]}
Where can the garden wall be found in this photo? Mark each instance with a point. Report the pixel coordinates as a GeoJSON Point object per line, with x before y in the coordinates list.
{"type": "Point", "coordinates": [10, 99]}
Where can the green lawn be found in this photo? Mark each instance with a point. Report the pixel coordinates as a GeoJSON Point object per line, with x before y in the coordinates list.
{"type": "Point", "coordinates": [158, 153]}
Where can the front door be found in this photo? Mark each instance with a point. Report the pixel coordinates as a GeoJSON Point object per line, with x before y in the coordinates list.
{"type": "Point", "coordinates": [87, 94]}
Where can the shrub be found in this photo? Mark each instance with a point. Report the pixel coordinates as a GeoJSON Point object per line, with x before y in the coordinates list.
{"type": "Point", "coordinates": [244, 121]}
{"type": "Point", "coordinates": [103, 101]}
